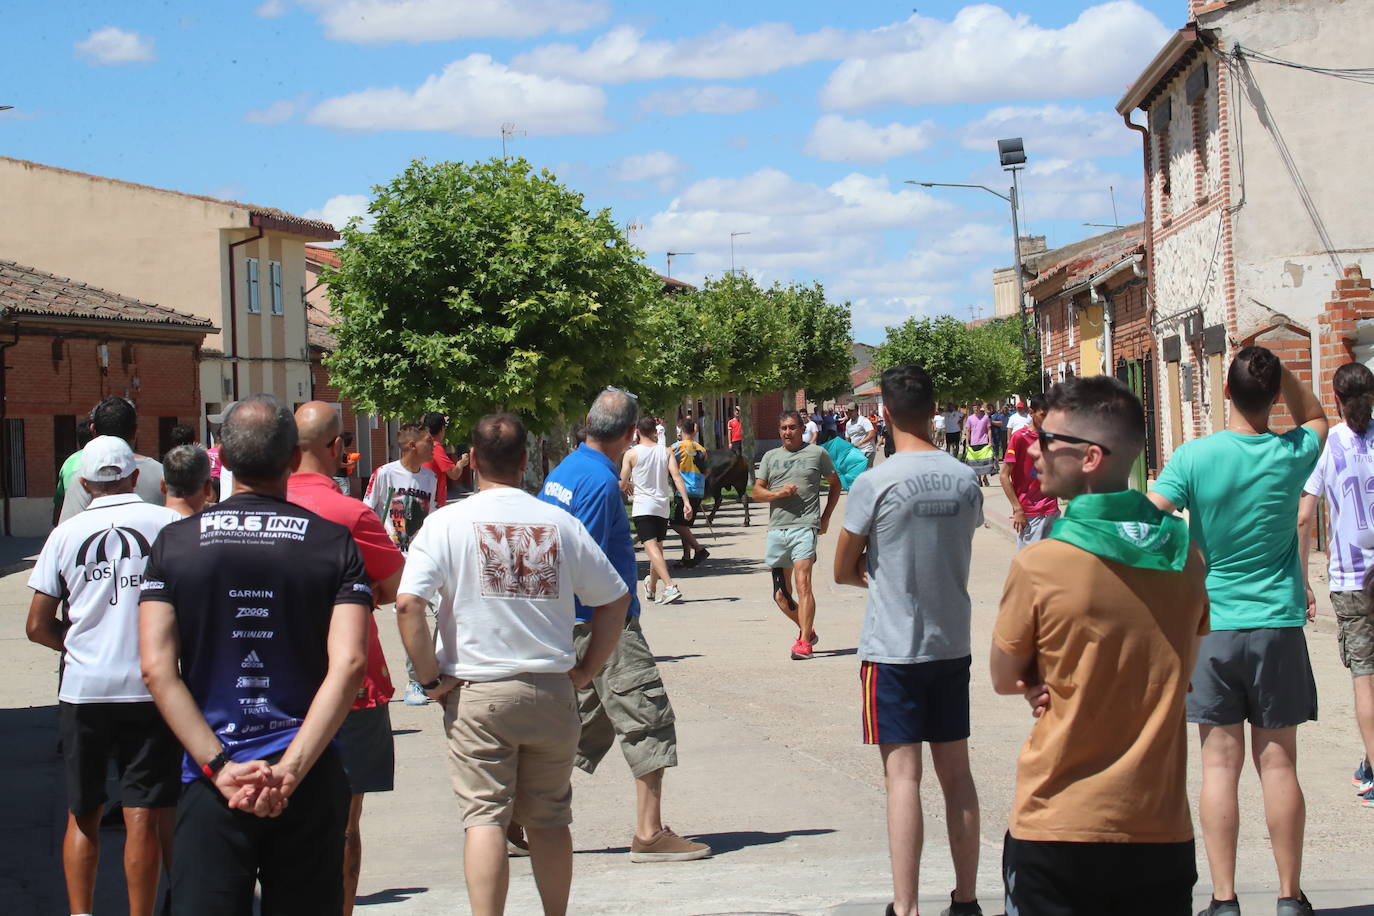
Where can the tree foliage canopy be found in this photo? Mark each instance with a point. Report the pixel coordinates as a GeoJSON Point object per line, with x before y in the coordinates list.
{"type": "Point", "coordinates": [484, 287]}
{"type": "Point", "coordinates": [965, 363]}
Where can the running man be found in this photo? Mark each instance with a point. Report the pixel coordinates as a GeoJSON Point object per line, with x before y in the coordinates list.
{"type": "Point", "coordinates": [690, 456]}
{"type": "Point", "coordinates": [907, 538]}
{"type": "Point", "coordinates": [1033, 513]}
{"type": "Point", "coordinates": [1100, 822]}
{"type": "Point", "coordinates": [789, 479]}
{"type": "Point", "coordinates": [1345, 477]}
{"type": "Point", "coordinates": [645, 475]}
{"type": "Point", "coordinates": [1253, 666]}
{"type": "Point", "coordinates": [93, 563]}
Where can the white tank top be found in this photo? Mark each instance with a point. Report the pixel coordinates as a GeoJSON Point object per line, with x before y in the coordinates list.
{"type": "Point", "coordinates": [650, 477]}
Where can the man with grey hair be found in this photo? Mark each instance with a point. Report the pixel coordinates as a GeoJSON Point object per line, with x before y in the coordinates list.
{"type": "Point", "coordinates": [627, 699]}
{"type": "Point", "coordinates": [253, 639]}
{"type": "Point", "coordinates": [186, 479]}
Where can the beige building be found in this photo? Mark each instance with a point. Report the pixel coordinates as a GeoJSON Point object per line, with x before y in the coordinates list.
{"type": "Point", "coordinates": [239, 266]}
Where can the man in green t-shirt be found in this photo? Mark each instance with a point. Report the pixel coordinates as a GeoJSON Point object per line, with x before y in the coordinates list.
{"type": "Point", "coordinates": [1241, 487]}
{"type": "Point", "coordinates": [789, 480]}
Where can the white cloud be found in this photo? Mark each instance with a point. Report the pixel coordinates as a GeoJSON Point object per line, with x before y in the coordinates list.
{"type": "Point", "coordinates": [279, 112]}
{"type": "Point", "coordinates": [660, 167]}
{"type": "Point", "coordinates": [837, 139]}
{"type": "Point", "coordinates": [340, 208]}
{"type": "Point", "coordinates": [472, 97]}
{"type": "Point", "coordinates": [112, 46]}
{"type": "Point", "coordinates": [1052, 130]}
{"type": "Point", "coordinates": [624, 55]}
{"type": "Point", "coordinates": [1078, 190]}
{"type": "Point", "coordinates": [380, 21]}
{"type": "Point", "coordinates": [987, 54]}
{"type": "Point", "coordinates": [271, 9]}
{"type": "Point", "coordinates": [703, 100]}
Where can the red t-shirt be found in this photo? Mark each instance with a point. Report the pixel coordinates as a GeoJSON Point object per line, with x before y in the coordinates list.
{"type": "Point", "coordinates": [1024, 480]}
{"type": "Point", "coordinates": [736, 430]}
{"type": "Point", "coordinates": [382, 558]}
{"type": "Point", "coordinates": [440, 465]}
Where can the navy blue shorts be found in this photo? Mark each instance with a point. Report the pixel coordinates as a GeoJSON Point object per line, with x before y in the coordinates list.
{"type": "Point", "coordinates": [910, 704]}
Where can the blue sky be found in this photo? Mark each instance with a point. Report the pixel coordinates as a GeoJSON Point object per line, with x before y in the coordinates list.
{"type": "Point", "coordinates": [794, 123]}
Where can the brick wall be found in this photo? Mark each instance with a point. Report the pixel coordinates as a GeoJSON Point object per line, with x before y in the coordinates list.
{"type": "Point", "coordinates": [1351, 301]}
{"type": "Point", "coordinates": [53, 374]}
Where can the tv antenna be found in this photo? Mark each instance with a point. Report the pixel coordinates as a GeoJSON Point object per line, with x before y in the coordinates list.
{"type": "Point", "coordinates": [674, 254]}
{"type": "Point", "coordinates": [508, 130]}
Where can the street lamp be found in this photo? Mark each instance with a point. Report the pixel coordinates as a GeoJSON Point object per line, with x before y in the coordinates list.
{"type": "Point", "coordinates": [1013, 157]}
{"type": "Point", "coordinates": [732, 250]}
{"type": "Point", "coordinates": [673, 254]}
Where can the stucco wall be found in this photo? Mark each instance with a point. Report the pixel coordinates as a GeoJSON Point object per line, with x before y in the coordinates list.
{"type": "Point", "coordinates": [1287, 202]}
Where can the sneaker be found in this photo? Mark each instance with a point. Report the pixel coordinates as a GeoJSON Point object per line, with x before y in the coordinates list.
{"type": "Point", "coordinates": [415, 695]}
{"type": "Point", "coordinates": [671, 595]}
{"type": "Point", "coordinates": [1367, 798]}
{"type": "Point", "coordinates": [667, 846]}
{"type": "Point", "coordinates": [962, 909]}
{"type": "Point", "coordinates": [1363, 779]}
{"type": "Point", "coordinates": [1222, 908]}
{"type": "Point", "coordinates": [648, 588]}
{"type": "Point", "coordinates": [813, 639]}
{"type": "Point", "coordinates": [1294, 906]}
{"type": "Point", "coordinates": [801, 650]}
{"type": "Point", "coordinates": [516, 844]}
{"type": "Point", "coordinates": [701, 556]}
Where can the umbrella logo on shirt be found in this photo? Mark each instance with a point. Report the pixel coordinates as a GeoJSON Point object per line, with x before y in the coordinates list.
{"type": "Point", "coordinates": [109, 546]}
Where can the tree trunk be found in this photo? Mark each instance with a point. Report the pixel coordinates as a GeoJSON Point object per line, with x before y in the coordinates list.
{"type": "Point", "coordinates": [706, 424]}
{"type": "Point", "coordinates": [534, 468]}
{"type": "Point", "coordinates": [746, 410]}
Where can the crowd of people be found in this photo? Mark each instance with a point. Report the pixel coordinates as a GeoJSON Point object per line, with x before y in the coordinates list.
{"type": "Point", "coordinates": [219, 645]}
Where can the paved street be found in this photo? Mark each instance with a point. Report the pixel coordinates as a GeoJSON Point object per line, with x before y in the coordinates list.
{"type": "Point", "coordinates": [773, 773]}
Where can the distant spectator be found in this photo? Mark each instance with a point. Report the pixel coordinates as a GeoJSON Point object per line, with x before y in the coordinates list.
{"type": "Point", "coordinates": [186, 479]}
{"type": "Point", "coordinates": [444, 467]}
{"type": "Point", "coordinates": [182, 435]}
{"type": "Point", "coordinates": [116, 416]}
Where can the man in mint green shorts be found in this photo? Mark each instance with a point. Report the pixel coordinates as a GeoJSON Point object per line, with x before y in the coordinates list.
{"type": "Point", "coordinates": [1241, 487]}
{"type": "Point", "coordinates": [789, 480]}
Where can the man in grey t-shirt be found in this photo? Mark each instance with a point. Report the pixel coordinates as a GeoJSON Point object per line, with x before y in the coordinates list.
{"type": "Point", "coordinates": [115, 416]}
{"type": "Point", "coordinates": [907, 537]}
{"type": "Point", "coordinates": [789, 480]}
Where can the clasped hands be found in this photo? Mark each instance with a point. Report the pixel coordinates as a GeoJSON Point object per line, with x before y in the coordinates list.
{"type": "Point", "coordinates": [257, 787]}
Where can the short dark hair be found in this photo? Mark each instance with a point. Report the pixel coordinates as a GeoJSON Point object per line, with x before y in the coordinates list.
{"type": "Point", "coordinates": [83, 431]}
{"type": "Point", "coordinates": [907, 394]}
{"type": "Point", "coordinates": [185, 469]}
{"type": "Point", "coordinates": [182, 435]}
{"type": "Point", "coordinates": [498, 441]}
{"type": "Point", "coordinates": [790, 415]}
{"type": "Point", "coordinates": [347, 439]}
{"type": "Point", "coordinates": [689, 426]}
{"type": "Point", "coordinates": [410, 432]}
{"type": "Point", "coordinates": [1105, 400]}
{"type": "Point", "coordinates": [1254, 378]}
{"type": "Point", "coordinates": [256, 444]}
{"type": "Point", "coordinates": [115, 416]}
{"type": "Point", "coordinates": [1037, 402]}
{"type": "Point", "coordinates": [434, 421]}
{"type": "Point", "coordinates": [647, 426]}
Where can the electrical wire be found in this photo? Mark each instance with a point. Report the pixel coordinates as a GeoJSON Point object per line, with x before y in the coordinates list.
{"type": "Point", "coordinates": [1354, 74]}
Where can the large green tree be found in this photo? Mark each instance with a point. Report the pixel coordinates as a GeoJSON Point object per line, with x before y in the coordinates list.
{"type": "Point", "coordinates": [816, 352]}
{"type": "Point", "coordinates": [485, 286]}
{"type": "Point", "coordinates": [965, 363]}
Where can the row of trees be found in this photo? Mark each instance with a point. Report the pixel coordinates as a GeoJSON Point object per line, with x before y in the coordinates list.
{"type": "Point", "coordinates": [966, 363]}
{"type": "Point", "coordinates": [489, 286]}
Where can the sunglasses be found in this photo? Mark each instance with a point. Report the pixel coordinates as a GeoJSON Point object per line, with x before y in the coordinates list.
{"type": "Point", "coordinates": [628, 394]}
{"type": "Point", "coordinates": [1046, 437]}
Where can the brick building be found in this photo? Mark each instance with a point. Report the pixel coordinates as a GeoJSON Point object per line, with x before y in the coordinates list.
{"type": "Point", "coordinates": [65, 346]}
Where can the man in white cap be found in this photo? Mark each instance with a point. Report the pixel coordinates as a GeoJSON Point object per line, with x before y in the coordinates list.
{"type": "Point", "coordinates": [95, 561]}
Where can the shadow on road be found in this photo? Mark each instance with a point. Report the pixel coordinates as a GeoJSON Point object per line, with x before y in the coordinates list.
{"type": "Point", "coordinates": [662, 659]}
{"type": "Point", "coordinates": [732, 841]}
{"type": "Point", "coordinates": [1361, 910]}
{"type": "Point", "coordinates": [390, 895]}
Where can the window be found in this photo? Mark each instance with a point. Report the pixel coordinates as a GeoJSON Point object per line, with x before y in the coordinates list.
{"type": "Point", "coordinates": [274, 271]}
{"type": "Point", "coordinates": [254, 303]}
{"type": "Point", "coordinates": [16, 473]}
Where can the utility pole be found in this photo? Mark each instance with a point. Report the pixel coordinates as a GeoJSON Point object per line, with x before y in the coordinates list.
{"type": "Point", "coordinates": [732, 250]}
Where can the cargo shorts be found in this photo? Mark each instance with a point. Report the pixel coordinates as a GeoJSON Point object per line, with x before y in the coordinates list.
{"type": "Point", "coordinates": [627, 699]}
{"type": "Point", "coordinates": [1355, 635]}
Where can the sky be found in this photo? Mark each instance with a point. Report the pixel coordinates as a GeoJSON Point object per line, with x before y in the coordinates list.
{"type": "Point", "coordinates": [792, 126]}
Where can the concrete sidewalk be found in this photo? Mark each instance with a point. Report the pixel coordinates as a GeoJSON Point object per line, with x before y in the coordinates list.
{"type": "Point", "coordinates": [773, 772]}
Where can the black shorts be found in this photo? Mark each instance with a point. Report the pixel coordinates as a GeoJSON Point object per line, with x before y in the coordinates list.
{"type": "Point", "coordinates": [367, 750]}
{"type": "Point", "coordinates": [678, 519]}
{"type": "Point", "coordinates": [911, 704]}
{"type": "Point", "coordinates": [145, 752]}
{"type": "Point", "coordinates": [651, 527]}
{"type": "Point", "coordinates": [220, 854]}
{"type": "Point", "coordinates": [1123, 879]}
{"type": "Point", "coordinates": [1262, 676]}
{"type": "Point", "coordinates": [952, 439]}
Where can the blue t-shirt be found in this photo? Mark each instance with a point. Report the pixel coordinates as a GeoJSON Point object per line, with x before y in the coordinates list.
{"type": "Point", "coordinates": [999, 431]}
{"type": "Point", "coordinates": [254, 581]}
{"type": "Point", "coordinates": [586, 485]}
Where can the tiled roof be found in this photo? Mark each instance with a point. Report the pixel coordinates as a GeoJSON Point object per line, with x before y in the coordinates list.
{"type": "Point", "coordinates": [1075, 263]}
{"type": "Point", "coordinates": [669, 284]}
{"type": "Point", "coordinates": [26, 291]}
{"type": "Point", "coordinates": [322, 255]}
{"type": "Point", "coordinates": [270, 216]}
{"type": "Point", "coordinates": [319, 329]}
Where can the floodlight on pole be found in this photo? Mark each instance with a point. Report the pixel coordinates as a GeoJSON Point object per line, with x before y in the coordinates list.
{"type": "Point", "coordinates": [674, 254]}
{"type": "Point", "coordinates": [732, 250]}
{"type": "Point", "coordinates": [5, 107]}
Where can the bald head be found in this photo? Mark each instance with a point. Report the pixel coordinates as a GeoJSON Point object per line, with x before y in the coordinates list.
{"type": "Point", "coordinates": [317, 425]}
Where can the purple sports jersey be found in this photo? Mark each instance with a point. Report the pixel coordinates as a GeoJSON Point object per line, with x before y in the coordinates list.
{"type": "Point", "coordinates": [1345, 476]}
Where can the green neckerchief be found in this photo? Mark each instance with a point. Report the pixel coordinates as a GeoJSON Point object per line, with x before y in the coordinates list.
{"type": "Point", "coordinates": [1125, 527]}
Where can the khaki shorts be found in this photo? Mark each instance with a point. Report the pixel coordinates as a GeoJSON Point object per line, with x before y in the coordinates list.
{"type": "Point", "coordinates": [785, 547]}
{"type": "Point", "coordinates": [627, 699]}
{"type": "Point", "coordinates": [526, 724]}
{"type": "Point", "coordinates": [1356, 634]}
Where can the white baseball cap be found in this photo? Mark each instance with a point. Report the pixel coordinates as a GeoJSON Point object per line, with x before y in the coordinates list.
{"type": "Point", "coordinates": [106, 459]}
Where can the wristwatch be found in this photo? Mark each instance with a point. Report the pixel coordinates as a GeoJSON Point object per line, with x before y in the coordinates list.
{"type": "Point", "coordinates": [215, 764]}
{"type": "Point", "coordinates": [434, 684]}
